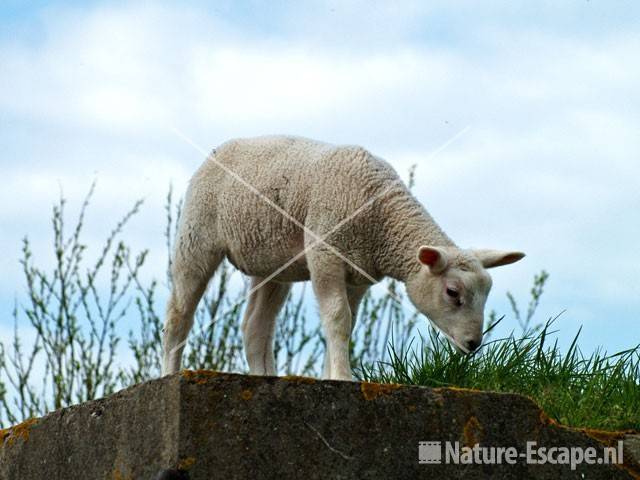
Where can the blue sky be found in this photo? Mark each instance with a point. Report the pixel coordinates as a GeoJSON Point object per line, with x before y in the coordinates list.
{"type": "Point", "coordinates": [545, 95]}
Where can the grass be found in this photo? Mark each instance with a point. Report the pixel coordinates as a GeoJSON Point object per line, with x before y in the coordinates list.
{"type": "Point", "coordinates": [598, 391]}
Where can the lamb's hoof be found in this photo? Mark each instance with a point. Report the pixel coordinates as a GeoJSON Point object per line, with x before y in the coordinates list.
{"type": "Point", "coordinates": [172, 474]}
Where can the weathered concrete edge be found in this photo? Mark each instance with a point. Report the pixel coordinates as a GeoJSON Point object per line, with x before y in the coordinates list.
{"type": "Point", "coordinates": [57, 422]}
{"type": "Point", "coordinates": [370, 391]}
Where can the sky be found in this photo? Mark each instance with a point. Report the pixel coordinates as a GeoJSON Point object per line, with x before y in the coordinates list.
{"type": "Point", "coordinates": [522, 118]}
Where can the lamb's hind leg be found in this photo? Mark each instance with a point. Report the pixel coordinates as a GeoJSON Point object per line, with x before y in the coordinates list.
{"type": "Point", "coordinates": [190, 273]}
{"type": "Point", "coordinates": [259, 323]}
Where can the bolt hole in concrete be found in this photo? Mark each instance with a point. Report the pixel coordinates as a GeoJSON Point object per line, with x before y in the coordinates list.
{"type": "Point", "coordinates": [172, 474]}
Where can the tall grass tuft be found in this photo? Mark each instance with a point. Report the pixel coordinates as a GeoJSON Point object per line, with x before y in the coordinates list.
{"type": "Point", "coordinates": [596, 391]}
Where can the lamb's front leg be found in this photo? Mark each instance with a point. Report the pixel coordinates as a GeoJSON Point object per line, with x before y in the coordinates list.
{"type": "Point", "coordinates": [331, 293]}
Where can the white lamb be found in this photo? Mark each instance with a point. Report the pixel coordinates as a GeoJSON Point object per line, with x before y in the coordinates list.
{"type": "Point", "coordinates": [259, 202]}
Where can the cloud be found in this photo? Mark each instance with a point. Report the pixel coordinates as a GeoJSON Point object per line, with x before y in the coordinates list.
{"type": "Point", "coordinates": [546, 165]}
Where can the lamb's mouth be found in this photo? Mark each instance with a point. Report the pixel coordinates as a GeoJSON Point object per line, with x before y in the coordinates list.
{"type": "Point", "coordinates": [459, 348]}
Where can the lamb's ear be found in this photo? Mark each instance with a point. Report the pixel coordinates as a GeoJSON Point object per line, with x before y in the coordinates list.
{"type": "Point", "coordinates": [497, 258]}
{"type": "Point", "coordinates": [434, 258]}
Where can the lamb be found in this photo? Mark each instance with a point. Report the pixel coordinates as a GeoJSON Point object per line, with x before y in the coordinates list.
{"type": "Point", "coordinates": [286, 209]}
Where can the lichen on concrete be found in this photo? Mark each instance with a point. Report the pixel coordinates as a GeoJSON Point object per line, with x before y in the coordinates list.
{"type": "Point", "coordinates": [199, 376]}
{"type": "Point", "coordinates": [186, 463]}
{"type": "Point", "coordinates": [472, 432]}
{"type": "Point", "coordinates": [9, 436]}
{"type": "Point", "coordinates": [371, 391]}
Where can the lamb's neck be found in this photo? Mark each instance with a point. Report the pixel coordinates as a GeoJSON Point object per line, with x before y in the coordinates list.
{"type": "Point", "coordinates": [405, 227]}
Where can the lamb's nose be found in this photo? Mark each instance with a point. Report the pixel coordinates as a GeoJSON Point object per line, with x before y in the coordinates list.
{"type": "Point", "coordinates": [472, 344]}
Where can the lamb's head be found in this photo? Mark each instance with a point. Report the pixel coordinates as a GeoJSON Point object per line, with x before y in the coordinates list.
{"type": "Point", "coordinates": [451, 288]}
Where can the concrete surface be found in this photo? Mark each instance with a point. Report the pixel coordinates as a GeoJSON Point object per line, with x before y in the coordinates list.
{"type": "Point", "coordinates": [209, 425]}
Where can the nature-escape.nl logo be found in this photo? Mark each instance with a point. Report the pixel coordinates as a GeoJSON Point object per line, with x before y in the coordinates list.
{"type": "Point", "coordinates": [454, 453]}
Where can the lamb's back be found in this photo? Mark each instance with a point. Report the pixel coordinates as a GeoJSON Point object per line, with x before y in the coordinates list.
{"type": "Point", "coordinates": [315, 184]}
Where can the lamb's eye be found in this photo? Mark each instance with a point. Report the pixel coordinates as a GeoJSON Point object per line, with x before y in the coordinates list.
{"type": "Point", "coordinates": [453, 293]}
